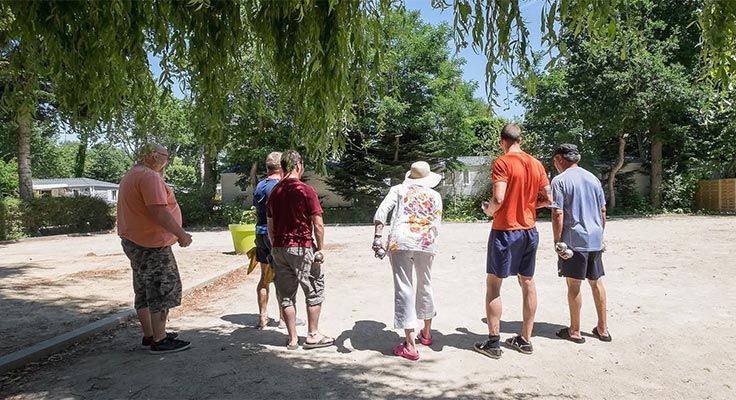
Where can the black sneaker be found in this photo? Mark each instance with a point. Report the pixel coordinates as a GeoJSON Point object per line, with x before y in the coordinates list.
{"type": "Point", "coordinates": [168, 345]}
{"type": "Point", "coordinates": [148, 340]}
{"type": "Point", "coordinates": [491, 347]}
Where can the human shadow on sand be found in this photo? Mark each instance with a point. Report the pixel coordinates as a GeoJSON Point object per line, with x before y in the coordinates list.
{"type": "Point", "coordinates": [541, 329]}
{"type": "Point", "coordinates": [368, 335]}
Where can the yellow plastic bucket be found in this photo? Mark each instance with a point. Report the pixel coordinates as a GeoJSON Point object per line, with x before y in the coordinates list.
{"type": "Point", "coordinates": [244, 237]}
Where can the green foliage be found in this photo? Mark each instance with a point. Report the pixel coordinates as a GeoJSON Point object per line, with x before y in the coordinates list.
{"type": "Point", "coordinates": [56, 215]}
{"type": "Point", "coordinates": [11, 213]}
{"type": "Point", "coordinates": [678, 190]}
{"type": "Point", "coordinates": [107, 163]}
{"type": "Point", "coordinates": [416, 109]}
{"type": "Point", "coordinates": [8, 178]}
{"type": "Point", "coordinates": [194, 211]}
{"type": "Point", "coordinates": [349, 215]}
{"type": "Point", "coordinates": [486, 131]}
{"type": "Point", "coordinates": [48, 158]}
{"type": "Point", "coordinates": [182, 177]}
{"type": "Point", "coordinates": [464, 209]}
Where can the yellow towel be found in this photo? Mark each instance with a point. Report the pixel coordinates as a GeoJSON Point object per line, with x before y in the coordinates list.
{"type": "Point", "coordinates": [252, 265]}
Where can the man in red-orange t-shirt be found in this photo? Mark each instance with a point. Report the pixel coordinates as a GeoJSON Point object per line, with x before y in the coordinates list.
{"type": "Point", "coordinates": [520, 186]}
{"type": "Point", "coordinates": [149, 223]}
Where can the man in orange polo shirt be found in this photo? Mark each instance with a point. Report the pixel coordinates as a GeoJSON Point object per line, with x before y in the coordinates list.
{"type": "Point", "coordinates": [520, 186]}
{"type": "Point", "coordinates": [149, 223]}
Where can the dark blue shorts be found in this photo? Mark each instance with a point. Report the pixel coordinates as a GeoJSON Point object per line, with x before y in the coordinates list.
{"type": "Point", "coordinates": [263, 249]}
{"type": "Point", "coordinates": [512, 252]}
{"type": "Point", "coordinates": [582, 265]}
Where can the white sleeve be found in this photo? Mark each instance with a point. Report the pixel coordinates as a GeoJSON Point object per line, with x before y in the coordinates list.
{"type": "Point", "coordinates": [387, 205]}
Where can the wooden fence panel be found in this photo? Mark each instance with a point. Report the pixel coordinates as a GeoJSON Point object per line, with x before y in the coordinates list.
{"type": "Point", "coordinates": [717, 194]}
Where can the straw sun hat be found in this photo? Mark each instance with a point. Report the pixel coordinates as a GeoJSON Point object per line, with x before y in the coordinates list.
{"type": "Point", "coordinates": [421, 175]}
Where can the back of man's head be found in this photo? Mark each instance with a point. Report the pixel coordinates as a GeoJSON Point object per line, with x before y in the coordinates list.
{"type": "Point", "coordinates": [289, 160]}
{"type": "Point", "coordinates": [273, 162]}
{"type": "Point", "coordinates": [511, 133]}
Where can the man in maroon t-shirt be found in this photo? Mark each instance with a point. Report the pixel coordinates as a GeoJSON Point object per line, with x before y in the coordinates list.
{"type": "Point", "coordinates": [294, 212]}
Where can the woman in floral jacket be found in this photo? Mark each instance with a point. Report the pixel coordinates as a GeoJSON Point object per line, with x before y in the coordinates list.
{"type": "Point", "coordinates": [416, 212]}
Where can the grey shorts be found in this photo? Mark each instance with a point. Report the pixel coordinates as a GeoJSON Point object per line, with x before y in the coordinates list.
{"type": "Point", "coordinates": [156, 280]}
{"type": "Point", "coordinates": [293, 267]}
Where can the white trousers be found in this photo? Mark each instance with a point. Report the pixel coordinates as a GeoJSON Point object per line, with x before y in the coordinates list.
{"type": "Point", "coordinates": [407, 310]}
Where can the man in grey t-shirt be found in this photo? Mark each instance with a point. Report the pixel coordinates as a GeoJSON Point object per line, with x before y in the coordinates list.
{"type": "Point", "coordinates": [578, 218]}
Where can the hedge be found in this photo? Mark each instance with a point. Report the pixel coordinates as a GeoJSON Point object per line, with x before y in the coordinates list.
{"type": "Point", "coordinates": [54, 215]}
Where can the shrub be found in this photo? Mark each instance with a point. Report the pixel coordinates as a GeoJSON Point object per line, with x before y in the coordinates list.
{"type": "Point", "coordinates": [463, 209]}
{"type": "Point", "coordinates": [194, 211]}
{"type": "Point", "coordinates": [56, 215]}
{"type": "Point", "coordinates": [11, 213]}
{"type": "Point", "coordinates": [678, 191]}
{"type": "Point", "coordinates": [349, 215]}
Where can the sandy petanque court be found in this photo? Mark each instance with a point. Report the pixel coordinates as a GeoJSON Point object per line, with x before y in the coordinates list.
{"type": "Point", "coordinates": [671, 314]}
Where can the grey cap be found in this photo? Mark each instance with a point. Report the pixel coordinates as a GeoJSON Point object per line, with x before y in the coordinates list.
{"type": "Point", "coordinates": [568, 151]}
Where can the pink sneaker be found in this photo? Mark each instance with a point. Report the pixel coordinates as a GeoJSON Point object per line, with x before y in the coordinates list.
{"type": "Point", "coordinates": [423, 340]}
{"type": "Point", "coordinates": [401, 351]}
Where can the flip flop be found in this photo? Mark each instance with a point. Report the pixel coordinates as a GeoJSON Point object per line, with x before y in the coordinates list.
{"type": "Point", "coordinates": [606, 338]}
{"type": "Point", "coordinates": [401, 351]}
{"type": "Point", "coordinates": [324, 342]}
{"type": "Point", "coordinates": [427, 341]}
{"type": "Point", "coordinates": [564, 333]}
{"type": "Point", "coordinates": [292, 346]}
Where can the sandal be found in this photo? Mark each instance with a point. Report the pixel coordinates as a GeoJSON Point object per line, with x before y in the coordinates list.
{"type": "Point", "coordinates": [518, 343]}
{"type": "Point", "coordinates": [600, 337]}
{"type": "Point", "coordinates": [423, 340]}
{"type": "Point", "coordinates": [489, 347]}
{"type": "Point", "coordinates": [564, 333]}
{"type": "Point", "coordinates": [292, 346]}
{"type": "Point", "coordinates": [401, 351]}
{"type": "Point", "coordinates": [325, 341]}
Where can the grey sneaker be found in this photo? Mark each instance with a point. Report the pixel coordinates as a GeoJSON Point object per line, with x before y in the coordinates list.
{"type": "Point", "coordinates": [491, 347]}
{"type": "Point", "coordinates": [169, 345]}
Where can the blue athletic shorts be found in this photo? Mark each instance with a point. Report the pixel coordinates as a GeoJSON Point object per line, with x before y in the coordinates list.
{"type": "Point", "coordinates": [582, 265]}
{"type": "Point", "coordinates": [512, 252]}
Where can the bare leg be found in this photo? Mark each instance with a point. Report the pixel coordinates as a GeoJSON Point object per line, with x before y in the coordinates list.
{"type": "Point", "coordinates": [158, 321]}
{"type": "Point", "coordinates": [290, 319]}
{"type": "Point", "coordinates": [426, 332]}
{"type": "Point", "coordinates": [493, 304]}
{"type": "Point", "coordinates": [313, 313]}
{"type": "Point", "coordinates": [144, 316]}
{"type": "Point", "coordinates": [410, 341]}
{"type": "Point", "coordinates": [529, 295]}
{"type": "Point", "coordinates": [262, 290]}
{"type": "Point", "coordinates": [599, 298]}
{"type": "Point", "coordinates": [575, 303]}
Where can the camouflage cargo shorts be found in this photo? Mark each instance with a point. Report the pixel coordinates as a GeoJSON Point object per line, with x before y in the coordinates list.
{"type": "Point", "coordinates": [156, 280]}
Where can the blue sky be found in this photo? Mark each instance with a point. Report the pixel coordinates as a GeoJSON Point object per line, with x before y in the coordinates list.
{"type": "Point", "coordinates": [474, 68]}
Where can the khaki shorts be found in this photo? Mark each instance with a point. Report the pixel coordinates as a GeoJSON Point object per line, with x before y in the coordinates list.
{"type": "Point", "coordinates": [293, 267]}
{"type": "Point", "coordinates": [156, 280]}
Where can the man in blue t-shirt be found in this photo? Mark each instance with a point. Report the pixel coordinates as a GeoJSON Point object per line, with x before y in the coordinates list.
{"type": "Point", "coordinates": [578, 219]}
{"type": "Point", "coordinates": [263, 245]}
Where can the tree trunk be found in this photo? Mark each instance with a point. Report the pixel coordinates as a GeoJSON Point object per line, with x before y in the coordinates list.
{"type": "Point", "coordinates": [81, 157]}
{"type": "Point", "coordinates": [24, 119]}
{"type": "Point", "coordinates": [655, 193]}
{"type": "Point", "coordinates": [209, 180]}
{"type": "Point", "coordinates": [253, 175]}
{"type": "Point", "coordinates": [614, 170]}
